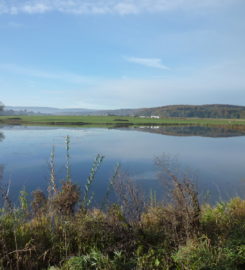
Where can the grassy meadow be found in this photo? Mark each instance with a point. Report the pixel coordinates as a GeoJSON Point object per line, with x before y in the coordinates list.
{"type": "Point", "coordinates": [118, 121]}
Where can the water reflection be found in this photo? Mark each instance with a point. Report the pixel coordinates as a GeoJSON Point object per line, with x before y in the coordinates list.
{"type": "Point", "coordinates": [219, 163]}
{"type": "Point", "coordinates": [1, 166]}
{"type": "Point", "coordinates": [1, 171]}
{"type": "Point", "coordinates": [1, 184]}
{"type": "Point", "coordinates": [1, 136]}
{"type": "Point", "coordinates": [212, 132]}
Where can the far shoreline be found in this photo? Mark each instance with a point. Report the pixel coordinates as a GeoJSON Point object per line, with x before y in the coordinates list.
{"type": "Point", "coordinates": [119, 121]}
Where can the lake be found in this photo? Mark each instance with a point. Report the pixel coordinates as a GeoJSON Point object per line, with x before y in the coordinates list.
{"type": "Point", "coordinates": [216, 156]}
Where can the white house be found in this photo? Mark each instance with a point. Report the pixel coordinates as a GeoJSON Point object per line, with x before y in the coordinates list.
{"type": "Point", "coordinates": [155, 116]}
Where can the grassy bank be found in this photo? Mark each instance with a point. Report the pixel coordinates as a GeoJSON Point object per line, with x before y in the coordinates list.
{"type": "Point", "coordinates": [118, 121]}
{"type": "Point", "coordinates": [56, 233]}
{"type": "Point", "coordinates": [164, 237]}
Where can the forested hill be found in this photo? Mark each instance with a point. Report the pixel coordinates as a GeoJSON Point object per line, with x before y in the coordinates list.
{"type": "Point", "coordinates": [202, 111]}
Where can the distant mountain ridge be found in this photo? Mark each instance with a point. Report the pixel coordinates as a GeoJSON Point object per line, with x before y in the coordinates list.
{"type": "Point", "coordinates": [47, 110]}
{"type": "Point", "coordinates": [197, 111]}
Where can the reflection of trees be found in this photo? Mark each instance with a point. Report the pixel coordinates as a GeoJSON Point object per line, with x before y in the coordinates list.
{"type": "Point", "coordinates": [194, 131]}
{"type": "Point", "coordinates": [4, 190]}
{"type": "Point", "coordinates": [1, 172]}
{"type": "Point", "coordinates": [1, 136]}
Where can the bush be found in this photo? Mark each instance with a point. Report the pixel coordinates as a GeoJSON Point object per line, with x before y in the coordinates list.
{"type": "Point", "coordinates": [156, 259]}
{"type": "Point", "coordinates": [201, 255]}
{"type": "Point", "coordinates": [95, 260]}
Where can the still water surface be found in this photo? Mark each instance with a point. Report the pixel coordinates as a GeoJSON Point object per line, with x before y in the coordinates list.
{"type": "Point", "coordinates": [216, 156]}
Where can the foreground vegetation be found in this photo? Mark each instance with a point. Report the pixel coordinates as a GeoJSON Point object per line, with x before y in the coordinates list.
{"type": "Point", "coordinates": [119, 121]}
{"type": "Point", "coordinates": [61, 230]}
{"type": "Point", "coordinates": [164, 237]}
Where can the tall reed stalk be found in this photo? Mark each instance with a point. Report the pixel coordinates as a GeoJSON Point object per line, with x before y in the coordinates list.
{"type": "Point", "coordinates": [68, 165]}
{"type": "Point", "coordinates": [87, 198]}
{"type": "Point", "coordinates": [52, 188]}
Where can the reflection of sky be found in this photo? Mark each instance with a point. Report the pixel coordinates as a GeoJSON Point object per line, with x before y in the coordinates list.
{"type": "Point", "coordinates": [219, 162]}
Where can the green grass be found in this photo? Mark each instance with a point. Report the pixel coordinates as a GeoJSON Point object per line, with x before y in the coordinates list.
{"type": "Point", "coordinates": [117, 120]}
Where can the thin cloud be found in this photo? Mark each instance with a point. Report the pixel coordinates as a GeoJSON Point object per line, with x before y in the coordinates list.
{"type": "Point", "coordinates": [222, 83]}
{"type": "Point", "coordinates": [123, 7]}
{"type": "Point", "coordinates": [37, 73]}
{"type": "Point", "coordinates": [148, 62]}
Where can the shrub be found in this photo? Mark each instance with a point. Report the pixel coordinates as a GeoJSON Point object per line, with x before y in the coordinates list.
{"type": "Point", "coordinates": [201, 255]}
{"type": "Point", "coordinates": [95, 260]}
{"type": "Point", "coordinates": [156, 259]}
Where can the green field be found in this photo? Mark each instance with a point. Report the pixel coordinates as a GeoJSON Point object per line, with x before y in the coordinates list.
{"type": "Point", "coordinates": [117, 121]}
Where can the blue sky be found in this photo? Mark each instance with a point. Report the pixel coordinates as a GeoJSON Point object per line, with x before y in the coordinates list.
{"type": "Point", "coordinates": [121, 53]}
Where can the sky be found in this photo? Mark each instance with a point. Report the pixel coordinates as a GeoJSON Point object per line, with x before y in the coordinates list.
{"type": "Point", "coordinates": [108, 54]}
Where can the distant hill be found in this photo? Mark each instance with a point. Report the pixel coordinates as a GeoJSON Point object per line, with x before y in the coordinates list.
{"type": "Point", "coordinates": [45, 110]}
{"type": "Point", "coordinates": [199, 111]}
{"type": "Point", "coordinates": [28, 110]}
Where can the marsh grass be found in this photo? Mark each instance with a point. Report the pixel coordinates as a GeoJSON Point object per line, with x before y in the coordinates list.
{"type": "Point", "coordinates": [63, 231]}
